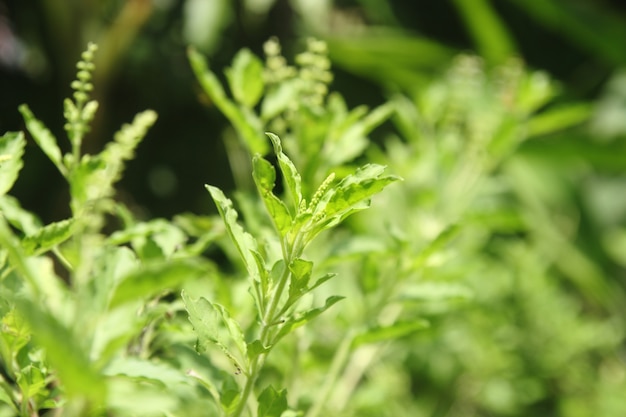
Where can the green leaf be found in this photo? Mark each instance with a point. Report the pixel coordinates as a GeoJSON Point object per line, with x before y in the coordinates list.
{"type": "Point", "coordinates": [150, 280]}
{"type": "Point", "coordinates": [244, 242]}
{"type": "Point", "coordinates": [245, 78]}
{"type": "Point", "coordinates": [272, 403]}
{"type": "Point", "coordinates": [395, 331]}
{"type": "Point", "coordinates": [65, 353]}
{"type": "Point", "coordinates": [353, 139]}
{"type": "Point", "coordinates": [248, 125]}
{"type": "Point", "coordinates": [301, 319]}
{"type": "Point", "coordinates": [42, 136]}
{"type": "Point", "coordinates": [256, 348]}
{"type": "Point", "coordinates": [18, 217]}
{"type": "Point", "coordinates": [11, 151]}
{"type": "Point", "coordinates": [264, 176]}
{"type": "Point", "coordinates": [214, 326]}
{"type": "Point", "coordinates": [301, 274]}
{"type": "Point", "coordinates": [559, 118]}
{"type": "Point", "coordinates": [351, 192]}
{"type": "Point", "coordinates": [293, 180]}
{"type": "Point", "coordinates": [48, 236]}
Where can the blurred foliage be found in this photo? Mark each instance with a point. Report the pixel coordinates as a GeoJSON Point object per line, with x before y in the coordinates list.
{"type": "Point", "coordinates": [508, 234]}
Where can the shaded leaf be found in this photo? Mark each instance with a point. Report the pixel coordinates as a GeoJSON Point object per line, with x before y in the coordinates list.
{"type": "Point", "coordinates": [264, 177]}
{"type": "Point", "coordinates": [272, 403]}
{"type": "Point", "coordinates": [292, 178]}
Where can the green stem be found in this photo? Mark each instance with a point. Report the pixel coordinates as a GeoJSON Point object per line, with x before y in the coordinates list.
{"type": "Point", "coordinates": [267, 322]}
{"type": "Point", "coordinates": [338, 364]}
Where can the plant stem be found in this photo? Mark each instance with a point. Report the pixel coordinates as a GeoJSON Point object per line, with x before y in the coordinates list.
{"type": "Point", "coordinates": [339, 361]}
{"type": "Point", "coordinates": [267, 321]}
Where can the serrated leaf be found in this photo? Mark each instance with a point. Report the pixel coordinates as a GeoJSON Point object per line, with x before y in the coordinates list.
{"type": "Point", "coordinates": [264, 176]}
{"type": "Point", "coordinates": [214, 326]}
{"type": "Point", "coordinates": [293, 180]}
{"type": "Point", "coordinates": [48, 236]}
{"type": "Point", "coordinates": [245, 78]}
{"type": "Point", "coordinates": [356, 188]}
{"type": "Point", "coordinates": [150, 280]}
{"type": "Point", "coordinates": [11, 150]}
{"type": "Point", "coordinates": [272, 403]}
{"type": "Point", "coordinates": [244, 242]}
{"type": "Point", "coordinates": [395, 331]}
{"type": "Point", "coordinates": [43, 137]}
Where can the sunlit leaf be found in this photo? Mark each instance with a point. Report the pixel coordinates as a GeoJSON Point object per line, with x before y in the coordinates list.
{"type": "Point", "coordinates": [11, 151]}
{"type": "Point", "coordinates": [48, 236]}
{"type": "Point", "coordinates": [214, 326]}
{"type": "Point", "coordinates": [46, 141]}
{"type": "Point", "coordinates": [245, 78]}
{"type": "Point", "coordinates": [243, 241]}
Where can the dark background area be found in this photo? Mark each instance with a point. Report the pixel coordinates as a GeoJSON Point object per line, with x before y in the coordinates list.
{"type": "Point", "coordinates": [142, 64]}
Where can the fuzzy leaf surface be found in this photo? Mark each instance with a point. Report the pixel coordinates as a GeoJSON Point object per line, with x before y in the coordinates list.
{"type": "Point", "coordinates": [244, 242]}
{"type": "Point", "coordinates": [214, 326]}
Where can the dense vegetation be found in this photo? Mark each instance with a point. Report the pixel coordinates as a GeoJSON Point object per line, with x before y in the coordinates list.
{"type": "Point", "coordinates": [390, 226]}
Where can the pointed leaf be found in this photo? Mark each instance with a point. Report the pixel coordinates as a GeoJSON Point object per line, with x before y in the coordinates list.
{"type": "Point", "coordinates": [244, 242]}
{"type": "Point", "coordinates": [17, 216]}
{"type": "Point", "coordinates": [356, 188]}
{"type": "Point", "coordinates": [42, 136]}
{"type": "Point", "coordinates": [395, 331]}
{"type": "Point", "coordinates": [305, 317]}
{"type": "Point", "coordinates": [264, 177]}
{"type": "Point", "coordinates": [214, 326]}
{"type": "Point", "coordinates": [11, 151]}
{"type": "Point", "coordinates": [48, 236]}
{"type": "Point", "coordinates": [272, 403]}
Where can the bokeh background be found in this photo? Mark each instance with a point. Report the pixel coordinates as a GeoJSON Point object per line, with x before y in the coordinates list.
{"type": "Point", "coordinates": [376, 46]}
{"type": "Point", "coordinates": [546, 333]}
